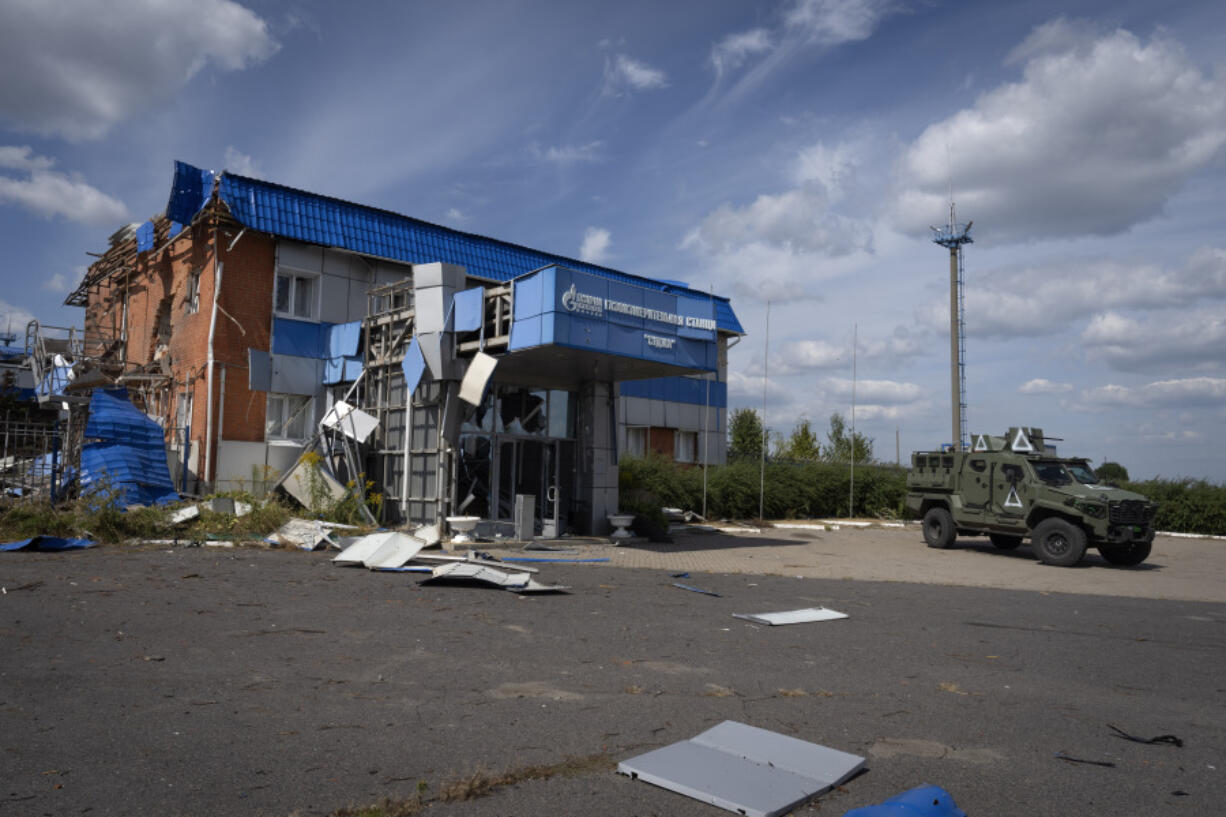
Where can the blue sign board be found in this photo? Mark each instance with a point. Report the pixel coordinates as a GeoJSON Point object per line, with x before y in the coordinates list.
{"type": "Point", "coordinates": [564, 307]}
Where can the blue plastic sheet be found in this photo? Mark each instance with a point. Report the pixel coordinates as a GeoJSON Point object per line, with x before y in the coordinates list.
{"type": "Point", "coordinates": [188, 192]}
{"type": "Point", "coordinates": [413, 366]}
{"type": "Point", "coordinates": [925, 801]}
{"type": "Point", "coordinates": [48, 543]}
{"type": "Point", "coordinates": [125, 452]}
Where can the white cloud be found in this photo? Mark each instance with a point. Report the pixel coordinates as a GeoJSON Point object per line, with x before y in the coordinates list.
{"type": "Point", "coordinates": [1187, 392]}
{"type": "Point", "coordinates": [570, 154]}
{"type": "Point", "coordinates": [1195, 340]}
{"type": "Point", "coordinates": [82, 67]}
{"type": "Point", "coordinates": [57, 283]}
{"type": "Point", "coordinates": [623, 74]}
{"type": "Point", "coordinates": [833, 22]}
{"type": "Point", "coordinates": [883, 392]}
{"type": "Point", "coordinates": [1095, 137]}
{"type": "Point", "coordinates": [455, 214]}
{"type": "Point", "coordinates": [51, 193]}
{"type": "Point", "coordinates": [1043, 386]}
{"type": "Point", "coordinates": [745, 389]}
{"type": "Point", "coordinates": [13, 157]}
{"type": "Point", "coordinates": [595, 246]}
{"type": "Point", "coordinates": [14, 318]}
{"type": "Point", "coordinates": [732, 51]}
{"type": "Point", "coordinates": [240, 163]}
{"type": "Point", "coordinates": [1038, 300]}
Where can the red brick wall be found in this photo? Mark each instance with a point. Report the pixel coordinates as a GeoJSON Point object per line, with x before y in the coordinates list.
{"type": "Point", "coordinates": [157, 291]}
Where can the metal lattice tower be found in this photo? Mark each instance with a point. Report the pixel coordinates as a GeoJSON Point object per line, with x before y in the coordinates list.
{"type": "Point", "coordinates": [953, 236]}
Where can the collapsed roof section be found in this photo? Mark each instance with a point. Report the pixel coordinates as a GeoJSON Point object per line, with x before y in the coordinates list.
{"type": "Point", "coordinates": [310, 217]}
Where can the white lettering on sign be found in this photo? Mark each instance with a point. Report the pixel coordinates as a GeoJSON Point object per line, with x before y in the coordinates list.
{"type": "Point", "coordinates": [657, 342]}
{"type": "Point", "coordinates": [575, 301]}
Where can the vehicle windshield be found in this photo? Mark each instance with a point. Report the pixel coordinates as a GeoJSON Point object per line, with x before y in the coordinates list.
{"type": "Point", "coordinates": [1082, 474]}
{"type": "Point", "coordinates": [1052, 473]}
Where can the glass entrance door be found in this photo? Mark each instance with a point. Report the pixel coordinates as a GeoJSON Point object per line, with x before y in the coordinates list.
{"type": "Point", "coordinates": [531, 466]}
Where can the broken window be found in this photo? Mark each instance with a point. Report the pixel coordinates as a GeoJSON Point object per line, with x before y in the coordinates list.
{"type": "Point", "coordinates": [192, 302]}
{"type": "Point", "coordinates": [288, 416]}
{"type": "Point", "coordinates": [295, 295]}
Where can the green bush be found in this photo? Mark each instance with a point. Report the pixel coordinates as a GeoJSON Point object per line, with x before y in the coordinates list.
{"type": "Point", "coordinates": [792, 490]}
{"type": "Point", "coordinates": [1186, 505]}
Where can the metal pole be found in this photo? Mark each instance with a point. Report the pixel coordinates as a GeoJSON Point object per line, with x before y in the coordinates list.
{"type": "Point", "coordinates": [765, 434]}
{"type": "Point", "coordinates": [955, 386]}
{"type": "Point", "coordinates": [706, 415]}
{"type": "Point", "coordinates": [851, 485]}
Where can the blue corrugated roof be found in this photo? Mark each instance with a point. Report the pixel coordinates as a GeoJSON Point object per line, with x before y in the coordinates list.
{"type": "Point", "coordinates": [315, 219]}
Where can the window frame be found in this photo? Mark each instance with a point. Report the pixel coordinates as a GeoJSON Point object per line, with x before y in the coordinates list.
{"type": "Point", "coordinates": [289, 412]}
{"type": "Point", "coordinates": [192, 300]}
{"type": "Point", "coordinates": [294, 298]}
{"type": "Point", "coordinates": [644, 435]}
{"type": "Point", "coordinates": [692, 437]}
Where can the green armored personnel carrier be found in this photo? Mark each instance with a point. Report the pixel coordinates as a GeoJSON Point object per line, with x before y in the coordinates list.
{"type": "Point", "coordinates": [1014, 487]}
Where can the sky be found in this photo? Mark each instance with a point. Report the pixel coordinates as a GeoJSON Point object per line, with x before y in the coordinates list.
{"type": "Point", "coordinates": [790, 154]}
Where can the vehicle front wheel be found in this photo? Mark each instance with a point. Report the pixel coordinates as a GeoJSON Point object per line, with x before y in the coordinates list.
{"type": "Point", "coordinates": [1058, 542]}
{"type": "Point", "coordinates": [1005, 541]}
{"type": "Point", "coordinates": [1127, 555]}
{"type": "Point", "coordinates": [939, 530]}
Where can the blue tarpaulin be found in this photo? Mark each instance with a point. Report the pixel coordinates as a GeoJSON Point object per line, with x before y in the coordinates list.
{"type": "Point", "coordinates": [47, 543]}
{"type": "Point", "coordinates": [925, 801]}
{"type": "Point", "coordinates": [125, 451]}
{"type": "Point", "coordinates": [343, 362]}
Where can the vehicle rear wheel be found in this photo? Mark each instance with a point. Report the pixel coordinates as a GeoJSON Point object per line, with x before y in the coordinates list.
{"type": "Point", "coordinates": [1058, 542]}
{"type": "Point", "coordinates": [1127, 555]}
{"type": "Point", "coordinates": [939, 530]}
{"type": "Point", "coordinates": [1005, 541]}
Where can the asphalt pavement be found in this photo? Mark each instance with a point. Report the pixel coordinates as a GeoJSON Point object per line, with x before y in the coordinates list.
{"type": "Point", "coordinates": [208, 681]}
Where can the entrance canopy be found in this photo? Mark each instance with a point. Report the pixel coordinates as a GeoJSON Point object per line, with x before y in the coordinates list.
{"type": "Point", "coordinates": [573, 326]}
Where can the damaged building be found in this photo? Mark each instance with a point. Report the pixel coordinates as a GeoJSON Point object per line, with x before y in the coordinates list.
{"type": "Point", "coordinates": [496, 376]}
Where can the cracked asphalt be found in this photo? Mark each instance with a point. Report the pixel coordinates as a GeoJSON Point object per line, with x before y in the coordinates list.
{"type": "Point", "coordinates": [206, 681]}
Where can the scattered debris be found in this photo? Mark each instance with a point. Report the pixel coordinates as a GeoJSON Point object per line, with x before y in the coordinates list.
{"type": "Point", "coordinates": [519, 582]}
{"type": "Point", "coordinates": [307, 534]}
{"type": "Point", "coordinates": [1063, 756]}
{"type": "Point", "coordinates": [696, 589]}
{"type": "Point", "coordinates": [362, 548]}
{"type": "Point", "coordinates": [396, 551]}
{"type": "Point", "coordinates": [48, 544]}
{"type": "Point", "coordinates": [792, 616]}
{"type": "Point", "coordinates": [1168, 739]}
{"type": "Point", "coordinates": [554, 561]}
{"type": "Point", "coordinates": [924, 801]}
{"type": "Point", "coordinates": [184, 515]}
{"type": "Point", "coordinates": [745, 769]}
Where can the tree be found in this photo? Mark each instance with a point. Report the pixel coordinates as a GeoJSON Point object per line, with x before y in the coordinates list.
{"type": "Point", "coordinates": [744, 435]}
{"type": "Point", "coordinates": [803, 445]}
{"type": "Point", "coordinates": [1111, 473]}
{"type": "Point", "coordinates": [841, 445]}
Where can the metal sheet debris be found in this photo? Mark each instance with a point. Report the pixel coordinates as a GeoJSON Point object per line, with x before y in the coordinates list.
{"type": "Point", "coordinates": [696, 590]}
{"type": "Point", "coordinates": [518, 581]}
{"type": "Point", "coordinates": [307, 534]}
{"type": "Point", "coordinates": [472, 388]}
{"type": "Point", "coordinates": [352, 422]}
{"type": "Point", "coordinates": [792, 616]}
{"type": "Point", "coordinates": [357, 552]}
{"type": "Point", "coordinates": [745, 769]}
{"type": "Point", "coordinates": [396, 551]}
{"type": "Point", "coordinates": [307, 480]}
{"type": "Point", "coordinates": [184, 514]}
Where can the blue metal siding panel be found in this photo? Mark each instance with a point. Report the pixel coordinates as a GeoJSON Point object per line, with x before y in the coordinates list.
{"type": "Point", "coordinates": [677, 390]}
{"type": "Point", "coordinates": [331, 222]}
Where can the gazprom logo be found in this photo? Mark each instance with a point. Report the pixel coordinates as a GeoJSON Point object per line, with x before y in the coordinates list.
{"type": "Point", "coordinates": [575, 301]}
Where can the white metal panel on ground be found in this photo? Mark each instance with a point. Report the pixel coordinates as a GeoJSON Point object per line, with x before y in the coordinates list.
{"type": "Point", "coordinates": [745, 769]}
{"type": "Point", "coordinates": [792, 616]}
{"type": "Point", "coordinates": [482, 573]}
{"type": "Point", "coordinates": [358, 552]}
{"type": "Point", "coordinates": [395, 552]}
